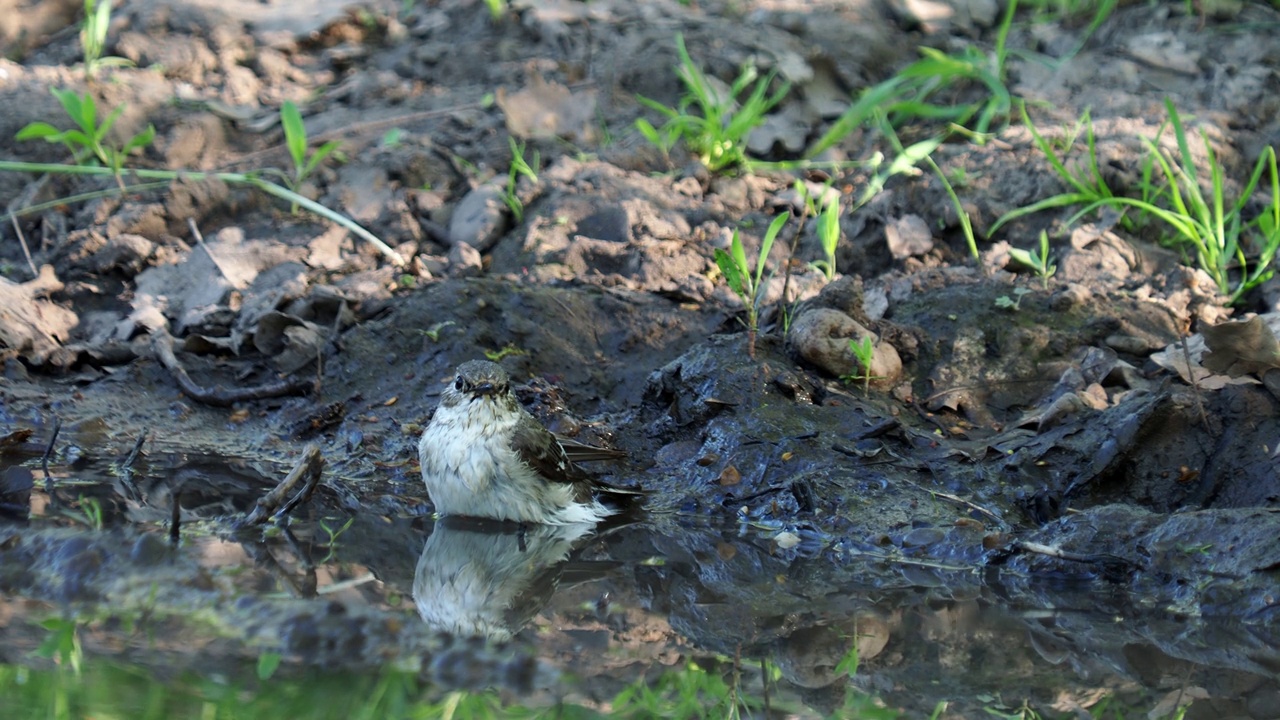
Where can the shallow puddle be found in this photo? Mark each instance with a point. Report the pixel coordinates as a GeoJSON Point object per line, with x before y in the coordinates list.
{"type": "Point", "coordinates": [351, 614]}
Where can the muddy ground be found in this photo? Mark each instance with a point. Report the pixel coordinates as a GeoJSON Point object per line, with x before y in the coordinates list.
{"type": "Point", "coordinates": [1010, 453]}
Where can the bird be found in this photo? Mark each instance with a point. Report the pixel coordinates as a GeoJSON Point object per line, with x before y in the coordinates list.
{"type": "Point", "coordinates": [483, 455]}
{"type": "Point", "coordinates": [477, 577]}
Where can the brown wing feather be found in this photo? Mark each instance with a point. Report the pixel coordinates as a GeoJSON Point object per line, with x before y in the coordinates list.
{"type": "Point", "coordinates": [540, 450]}
{"type": "Point", "coordinates": [553, 459]}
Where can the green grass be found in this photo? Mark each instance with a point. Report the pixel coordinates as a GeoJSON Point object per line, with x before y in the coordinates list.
{"type": "Point", "coordinates": [1038, 261]}
{"type": "Point", "coordinates": [93, 38]}
{"type": "Point", "coordinates": [712, 125]}
{"type": "Point", "coordinates": [166, 176]}
{"type": "Point", "coordinates": [747, 285]}
{"type": "Point", "coordinates": [911, 95]}
{"type": "Point", "coordinates": [1236, 251]}
{"type": "Point", "coordinates": [519, 168]}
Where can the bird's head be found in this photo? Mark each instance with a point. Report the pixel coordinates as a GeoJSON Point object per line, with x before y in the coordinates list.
{"type": "Point", "coordinates": [477, 379]}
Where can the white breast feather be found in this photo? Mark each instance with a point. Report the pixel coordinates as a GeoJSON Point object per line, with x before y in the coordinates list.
{"type": "Point", "coordinates": [462, 451]}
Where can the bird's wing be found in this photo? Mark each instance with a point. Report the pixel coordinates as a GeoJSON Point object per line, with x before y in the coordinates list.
{"type": "Point", "coordinates": [540, 450]}
{"type": "Point", "coordinates": [578, 452]}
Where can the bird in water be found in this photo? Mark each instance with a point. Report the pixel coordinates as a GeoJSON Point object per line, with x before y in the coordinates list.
{"type": "Point", "coordinates": [483, 455]}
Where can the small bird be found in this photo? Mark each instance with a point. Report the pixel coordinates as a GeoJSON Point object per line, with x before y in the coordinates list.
{"type": "Point", "coordinates": [479, 577]}
{"type": "Point", "coordinates": [483, 455]}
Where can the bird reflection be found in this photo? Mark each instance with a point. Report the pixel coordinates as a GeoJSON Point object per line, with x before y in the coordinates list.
{"type": "Point", "coordinates": [488, 578]}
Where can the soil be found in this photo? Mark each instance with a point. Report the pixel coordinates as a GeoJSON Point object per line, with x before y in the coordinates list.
{"type": "Point", "coordinates": [1022, 443]}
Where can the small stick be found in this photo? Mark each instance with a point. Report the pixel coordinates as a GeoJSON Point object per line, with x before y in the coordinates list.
{"type": "Point", "coordinates": [162, 346]}
{"type": "Point", "coordinates": [28, 196]}
{"type": "Point", "coordinates": [175, 517]}
{"type": "Point", "coordinates": [306, 472]}
{"type": "Point", "coordinates": [1106, 559]}
{"type": "Point", "coordinates": [137, 447]}
{"type": "Point", "coordinates": [48, 451]}
{"type": "Point", "coordinates": [195, 232]}
{"type": "Point", "coordinates": [26, 252]}
{"type": "Point", "coordinates": [1195, 384]}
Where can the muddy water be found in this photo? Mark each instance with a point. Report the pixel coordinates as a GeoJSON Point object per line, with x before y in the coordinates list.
{"type": "Point", "coordinates": [569, 615]}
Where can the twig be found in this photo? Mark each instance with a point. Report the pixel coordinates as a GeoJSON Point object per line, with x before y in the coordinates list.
{"type": "Point", "coordinates": [218, 396]}
{"type": "Point", "coordinates": [137, 448]}
{"type": "Point", "coordinates": [175, 517]}
{"type": "Point", "coordinates": [791, 256]}
{"type": "Point", "coordinates": [956, 499]}
{"type": "Point", "coordinates": [126, 469]}
{"type": "Point", "coordinates": [48, 452]}
{"type": "Point", "coordinates": [195, 232]}
{"type": "Point", "coordinates": [26, 252]}
{"type": "Point", "coordinates": [28, 195]}
{"type": "Point", "coordinates": [1109, 561]}
{"type": "Point", "coordinates": [306, 471]}
{"type": "Point", "coordinates": [1195, 384]}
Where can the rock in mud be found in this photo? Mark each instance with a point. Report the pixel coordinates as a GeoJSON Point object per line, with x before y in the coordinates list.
{"type": "Point", "coordinates": [822, 335]}
{"type": "Point", "coordinates": [465, 261]}
{"type": "Point", "coordinates": [480, 218]}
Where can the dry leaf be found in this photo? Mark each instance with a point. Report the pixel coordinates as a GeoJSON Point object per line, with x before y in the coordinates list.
{"type": "Point", "coordinates": [730, 476]}
{"type": "Point", "coordinates": [1241, 347]}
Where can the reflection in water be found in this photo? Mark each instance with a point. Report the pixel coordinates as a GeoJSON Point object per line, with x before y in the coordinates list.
{"type": "Point", "coordinates": [487, 578]}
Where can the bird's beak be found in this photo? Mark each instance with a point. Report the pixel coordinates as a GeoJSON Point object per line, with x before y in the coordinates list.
{"type": "Point", "coordinates": [483, 389]}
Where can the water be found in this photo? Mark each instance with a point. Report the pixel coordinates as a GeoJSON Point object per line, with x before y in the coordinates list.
{"type": "Point", "coordinates": [383, 612]}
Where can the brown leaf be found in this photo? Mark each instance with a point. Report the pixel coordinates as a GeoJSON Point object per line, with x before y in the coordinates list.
{"type": "Point", "coordinates": [1240, 348]}
{"type": "Point", "coordinates": [730, 476]}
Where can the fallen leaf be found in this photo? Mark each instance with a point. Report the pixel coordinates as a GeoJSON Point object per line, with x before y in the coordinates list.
{"type": "Point", "coordinates": [730, 476]}
{"type": "Point", "coordinates": [549, 110]}
{"type": "Point", "coordinates": [1242, 347]}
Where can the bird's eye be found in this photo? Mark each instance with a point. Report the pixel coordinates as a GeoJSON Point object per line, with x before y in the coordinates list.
{"type": "Point", "coordinates": [459, 384]}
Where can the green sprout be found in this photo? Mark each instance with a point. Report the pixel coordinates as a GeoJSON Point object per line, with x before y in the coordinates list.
{"type": "Point", "coordinates": [93, 38]}
{"type": "Point", "coordinates": [519, 167]}
{"type": "Point", "coordinates": [91, 512]}
{"type": "Point", "coordinates": [295, 137]}
{"type": "Point", "coordinates": [334, 533]}
{"type": "Point", "coordinates": [87, 140]}
{"type": "Point", "coordinates": [864, 352]}
{"type": "Point", "coordinates": [497, 8]}
{"type": "Point", "coordinates": [62, 644]}
{"type": "Point", "coordinates": [1037, 260]}
{"type": "Point", "coordinates": [498, 355]}
{"type": "Point", "coordinates": [433, 332]}
{"type": "Point", "coordinates": [828, 228]}
{"type": "Point", "coordinates": [1015, 303]}
{"type": "Point", "coordinates": [717, 134]}
{"type": "Point", "coordinates": [268, 662]}
{"type": "Point", "coordinates": [748, 286]}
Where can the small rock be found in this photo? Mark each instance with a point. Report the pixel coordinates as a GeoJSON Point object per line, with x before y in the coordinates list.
{"type": "Point", "coordinates": [465, 261]}
{"type": "Point", "coordinates": [821, 336]}
{"type": "Point", "coordinates": [786, 540]}
{"type": "Point", "coordinates": [908, 235]}
{"type": "Point", "coordinates": [125, 251]}
{"type": "Point", "coordinates": [480, 218]}
{"type": "Point", "coordinates": [1129, 344]}
{"type": "Point", "coordinates": [1070, 296]}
